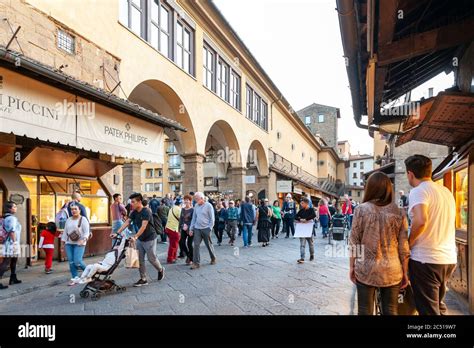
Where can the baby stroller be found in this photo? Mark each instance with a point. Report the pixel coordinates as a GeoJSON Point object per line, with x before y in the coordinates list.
{"type": "Point", "coordinates": [338, 229]}
{"type": "Point", "coordinates": [101, 281]}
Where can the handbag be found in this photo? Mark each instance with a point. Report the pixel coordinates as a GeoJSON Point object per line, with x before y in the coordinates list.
{"type": "Point", "coordinates": [406, 301]}
{"type": "Point", "coordinates": [76, 234]}
{"type": "Point", "coordinates": [131, 257]}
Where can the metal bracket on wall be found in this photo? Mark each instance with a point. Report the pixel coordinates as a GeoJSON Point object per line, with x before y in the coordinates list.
{"type": "Point", "coordinates": [14, 35]}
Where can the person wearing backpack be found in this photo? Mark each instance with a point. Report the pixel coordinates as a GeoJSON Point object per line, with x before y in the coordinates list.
{"type": "Point", "coordinates": [172, 230]}
{"type": "Point", "coordinates": [145, 238]}
{"type": "Point", "coordinates": [62, 216]}
{"type": "Point", "coordinates": [163, 212]}
{"type": "Point", "coordinates": [10, 239]}
{"type": "Point", "coordinates": [74, 239]}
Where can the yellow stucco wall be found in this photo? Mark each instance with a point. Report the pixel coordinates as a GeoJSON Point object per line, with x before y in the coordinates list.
{"type": "Point", "coordinates": [98, 21]}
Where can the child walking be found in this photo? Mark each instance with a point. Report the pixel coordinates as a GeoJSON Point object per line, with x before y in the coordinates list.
{"type": "Point", "coordinates": [46, 243]}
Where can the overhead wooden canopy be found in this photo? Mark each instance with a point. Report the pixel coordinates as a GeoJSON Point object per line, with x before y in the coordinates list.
{"type": "Point", "coordinates": [394, 46]}
{"type": "Point", "coordinates": [447, 120]}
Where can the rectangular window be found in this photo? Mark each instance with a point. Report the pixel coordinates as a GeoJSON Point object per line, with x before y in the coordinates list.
{"type": "Point", "coordinates": [320, 118]}
{"type": "Point", "coordinates": [249, 103]}
{"type": "Point", "coordinates": [136, 17]}
{"type": "Point", "coordinates": [307, 120]}
{"type": "Point", "coordinates": [256, 108]}
{"type": "Point", "coordinates": [354, 175]}
{"type": "Point", "coordinates": [264, 123]}
{"type": "Point", "coordinates": [461, 197]}
{"type": "Point", "coordinates": [235, 90]}
{"type": "Point", "coordinates": [153, 187]}
{"type": "Point", "coordinates": [66, 42]}
{"type": "Point", "coordinates": [158, 172]}
{"type": "Point", "coordinates": [354, 165]}
{"type": "Point", "coordinates": [184, 42]}
{"type": "Point", "coordinates": [154, 21]}
{"type": "Point", "coordinates": [361, 165]}
{"type": "Point", "coordinates": [174, 161]}
{"type": "Point", "coordinates": [209, 68]}
{"type": "Point", "coordinates": [223, 80]}
{"type": "Point", "coordinates": [149, 173]}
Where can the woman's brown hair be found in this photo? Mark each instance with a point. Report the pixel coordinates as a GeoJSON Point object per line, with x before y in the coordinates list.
{"type": "Point", "coordinates": [378, 189]}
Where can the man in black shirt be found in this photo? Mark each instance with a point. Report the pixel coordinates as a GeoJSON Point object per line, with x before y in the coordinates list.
{"type": "Point", "coordinates": [306, 215]}
{"type": "Point", "coordinates": [145, 237]}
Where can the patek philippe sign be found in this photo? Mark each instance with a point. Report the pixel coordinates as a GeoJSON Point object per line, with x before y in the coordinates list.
{"type": "Point", "coordinates": [36, 110]}
{"type": "Point", "coordinates": [117, 133]}
{"type": "Point", "coordinates": [284, 186]}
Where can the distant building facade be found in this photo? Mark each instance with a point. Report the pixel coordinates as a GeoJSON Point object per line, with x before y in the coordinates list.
{"type": "Point", "coordinates": [322, 122]}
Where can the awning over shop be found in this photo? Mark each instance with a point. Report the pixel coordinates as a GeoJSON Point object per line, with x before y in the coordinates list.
{"type": "Point", "coordinates": [39, 111]}
{"type": "Point", "coordinates": [447, 119]}
{"type": "Point", "coordinates": [388, 169]}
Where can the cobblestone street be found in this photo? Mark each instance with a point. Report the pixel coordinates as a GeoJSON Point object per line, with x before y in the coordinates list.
{"type": "Point", "coordinates": [257, 281]}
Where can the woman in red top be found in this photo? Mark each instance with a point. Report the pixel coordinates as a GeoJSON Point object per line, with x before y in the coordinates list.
{"type": "Point", "coordinates": [347, 209]}
{"type": "Point", "coordinates": [324, 217]}
{"type": "Point", "coordinates": [46, 243]}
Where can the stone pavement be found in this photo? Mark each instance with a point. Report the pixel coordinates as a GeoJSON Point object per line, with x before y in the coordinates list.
{"type": "Point", "coordinates": [256, 281]}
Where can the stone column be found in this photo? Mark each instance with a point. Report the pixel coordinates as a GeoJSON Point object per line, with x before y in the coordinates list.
{"type": "Point", "coordinates": [237, 181]}
{"type": "Point", "coordinates": [193, 174]}
{"type": "Point", "coordinates": [131, 173]}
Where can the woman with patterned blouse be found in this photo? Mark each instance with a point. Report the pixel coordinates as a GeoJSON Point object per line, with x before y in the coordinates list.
{"type": "Point", "coordinates": [379, 232]}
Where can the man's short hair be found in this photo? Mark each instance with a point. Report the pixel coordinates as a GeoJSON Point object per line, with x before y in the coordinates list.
{"type": "Point", "coordinates": [419, 165]}
{"type": "Point", "coordinates": [247, 199]}
{"type": "Point", "coordinates": [75, 195]}
{"type": "Point", "coordinates": [305, 199]}
{"type": "Point", "coordinates": [136, 196]}
{"type": "Point", "coordinates": [116, 195]}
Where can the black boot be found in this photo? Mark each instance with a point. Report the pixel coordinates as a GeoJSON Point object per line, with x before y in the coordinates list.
{"type": "Point", "coordinates": [14, 279]}
{"type": "Point", "coordinates": [3, 286]}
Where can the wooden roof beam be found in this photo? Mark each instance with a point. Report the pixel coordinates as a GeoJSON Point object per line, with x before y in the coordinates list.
{"type": "Point", "coordinates": [426, 42]}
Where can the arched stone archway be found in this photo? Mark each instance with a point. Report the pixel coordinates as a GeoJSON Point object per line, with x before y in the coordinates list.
{"type": "Point", "coordinates": [223, 168]}
{"type": "Point", "coordinates": [159, 97]}
{"type": "Point", "coordinates": [257, 156]}
{"type": "Point", "coordinates": [258, 171]}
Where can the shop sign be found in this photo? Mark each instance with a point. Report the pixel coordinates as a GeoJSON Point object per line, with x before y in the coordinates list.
{"type": "Point", "coordinates": [284, 186]}
{"type": "Point", "coordinates": [250, 179]}
{"type": "Point", "coordinates": [51, 114]}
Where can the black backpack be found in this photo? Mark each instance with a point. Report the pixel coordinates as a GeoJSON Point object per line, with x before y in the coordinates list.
{"type": "Point", "coordinates": [156, 224]}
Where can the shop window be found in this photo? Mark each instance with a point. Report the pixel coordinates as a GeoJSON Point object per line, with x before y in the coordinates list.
{"type": "Point", "coordinates": [53, 192]}
{"type": "Point", "coordinates": [461, 195]}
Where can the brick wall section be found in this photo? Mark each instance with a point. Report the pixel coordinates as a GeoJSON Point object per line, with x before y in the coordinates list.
{"type": "Point", "coordinates": [327, 129]}
{"type": "Point", "coordinates": [38, 40]}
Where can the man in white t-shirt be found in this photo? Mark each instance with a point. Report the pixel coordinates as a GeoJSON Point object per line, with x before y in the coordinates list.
{"type": "Point", "coordinates": [432, 239]}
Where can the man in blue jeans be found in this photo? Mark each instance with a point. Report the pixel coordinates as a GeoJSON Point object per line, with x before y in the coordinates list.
{"type": "Point", "coordinates": [247, 217]}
